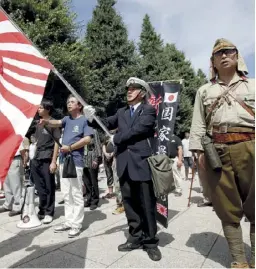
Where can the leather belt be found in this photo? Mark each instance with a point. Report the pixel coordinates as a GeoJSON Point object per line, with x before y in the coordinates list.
{"type": "Point", "coordinates": [232, 138]}
{"type": "Point", "coordinates": [224, 129]}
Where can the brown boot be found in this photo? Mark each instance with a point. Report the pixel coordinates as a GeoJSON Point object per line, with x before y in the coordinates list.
{"type": "Point", "coordinates": [239, 265]}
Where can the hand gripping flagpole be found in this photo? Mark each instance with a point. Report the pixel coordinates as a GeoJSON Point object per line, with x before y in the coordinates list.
{"type": "Point", "coordinates": [56, 72]}
{"type": "Point", "coordinates": [80, 99]}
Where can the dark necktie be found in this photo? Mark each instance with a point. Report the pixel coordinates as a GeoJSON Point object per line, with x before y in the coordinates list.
{"type": "Point", "coordinates": [131, 110]}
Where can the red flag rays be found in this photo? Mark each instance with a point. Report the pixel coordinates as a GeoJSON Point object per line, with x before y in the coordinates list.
{"type": "Point", "coordinates": [23, 76]}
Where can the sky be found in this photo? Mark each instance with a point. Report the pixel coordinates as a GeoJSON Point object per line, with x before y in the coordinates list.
{"type": "Point", "coordinates": [192, 25]}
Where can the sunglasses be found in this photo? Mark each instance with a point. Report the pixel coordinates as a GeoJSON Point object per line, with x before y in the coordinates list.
{"type": "Point", "coordinates": [227, 52]}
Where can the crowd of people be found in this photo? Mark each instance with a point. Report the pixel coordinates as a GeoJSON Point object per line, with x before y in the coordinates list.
{"type": "Point", "coordinates": [41, 155]}
{"type": "Point", "coordinates": [224, 111]}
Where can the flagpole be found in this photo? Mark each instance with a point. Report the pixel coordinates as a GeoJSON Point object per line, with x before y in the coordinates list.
{"type": "Point", "coordinates": [174, 80]}
{"type": "Point", "coordinates": [60, 76]}
{"type": "Point", "coordinates": [80, 99]}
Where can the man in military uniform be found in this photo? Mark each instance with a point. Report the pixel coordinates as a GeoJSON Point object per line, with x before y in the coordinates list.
{"type": "Point", "coordinates": [224, 110]}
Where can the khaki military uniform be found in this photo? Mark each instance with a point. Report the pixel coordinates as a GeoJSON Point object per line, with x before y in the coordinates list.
{"type": "Point", "coordinates": [233, 188]}
{"type": "Point", "coordinates": [230, 114]}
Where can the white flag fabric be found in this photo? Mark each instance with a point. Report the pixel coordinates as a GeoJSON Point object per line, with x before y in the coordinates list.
{"type": "Point", "coordinates": [23, 76]}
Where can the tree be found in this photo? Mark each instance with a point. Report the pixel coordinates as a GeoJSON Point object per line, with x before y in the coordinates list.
{"type": "Point", "coordinates": [165, 62]}
{"type": "Point", "coordinates": [151, 51]}
{"type": "Point", "coordinates": [111, 58]}
{"type": "Point", "coordinates": [178, 67]}
{"type": "Point", "coordinates": [50, 25]}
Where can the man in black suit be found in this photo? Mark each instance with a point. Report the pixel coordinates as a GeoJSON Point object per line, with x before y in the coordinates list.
{"type": "Point", "coordinates": [135, 123]}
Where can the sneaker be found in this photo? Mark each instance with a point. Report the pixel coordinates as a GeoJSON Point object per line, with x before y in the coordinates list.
{"type": "Point", "coordinates": [47, 219]}
{"type": "Point", "coordinates": [74, 232]}
{"type": "Point", "coordinates": [61, 228]}
{"type": "Point", "coordinates": [204, 203]}
{"type": "Point", "coordinates": [118, 210]}
{"type": "Point", "coordinates": [14, 213]}
{"type": "Point", "coordinates": [3, 209]}
{"type": "Point", "coordinates": [109, 196]}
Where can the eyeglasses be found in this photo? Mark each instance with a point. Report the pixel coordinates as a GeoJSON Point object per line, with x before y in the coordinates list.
{"type": "Point", "coordinates": [227, 52]}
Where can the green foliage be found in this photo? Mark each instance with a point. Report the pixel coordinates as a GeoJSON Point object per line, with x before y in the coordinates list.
{"type": "Point", "coordinates": [151, 51]}
{"type": "Point", "coordinates": [99, 65]}
{"type": "Point", "coordinates": [50, 25]}
{"type": "Point", "coordinates": [165, 62]}
{"type": "Point", "coordinates": [111, 58]}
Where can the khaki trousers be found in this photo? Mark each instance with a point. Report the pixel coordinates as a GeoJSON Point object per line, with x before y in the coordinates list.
{"type": "Point", "coordinates": [233, 189]}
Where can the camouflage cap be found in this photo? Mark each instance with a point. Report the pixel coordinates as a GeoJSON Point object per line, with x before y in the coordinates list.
{"type": "Point", "coordinates": [222, 43]}
{"type": "Point", "coordinates": [138, 83]}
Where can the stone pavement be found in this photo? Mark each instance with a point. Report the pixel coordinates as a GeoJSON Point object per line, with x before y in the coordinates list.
{"type": "Point", "coordinates": [194, 238]}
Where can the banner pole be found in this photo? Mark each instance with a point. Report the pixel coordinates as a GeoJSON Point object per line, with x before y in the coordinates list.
{"type": "Point", "coordinates": [60, 76]}
{"type": "Point", "coordinates": [174, 80]}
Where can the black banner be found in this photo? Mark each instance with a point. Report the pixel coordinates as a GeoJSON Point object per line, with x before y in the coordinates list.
{"type": "Point", "coordinates": [165, 99]}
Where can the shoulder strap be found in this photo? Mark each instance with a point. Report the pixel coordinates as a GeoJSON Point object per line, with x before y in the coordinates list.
{"type": "Point", "coordinates": [55, 139]}
{"type": "Point", "coordinates": [242, 104]}
{"type": "Point", "coordinates": [212, 107]}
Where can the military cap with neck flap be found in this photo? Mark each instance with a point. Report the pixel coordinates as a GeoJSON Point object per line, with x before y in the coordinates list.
{"type": "Point", "coordinates": [223, 43]}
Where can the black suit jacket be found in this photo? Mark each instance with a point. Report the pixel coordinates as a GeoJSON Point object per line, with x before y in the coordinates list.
{"type": "Point", "coordinates": [131, 140]}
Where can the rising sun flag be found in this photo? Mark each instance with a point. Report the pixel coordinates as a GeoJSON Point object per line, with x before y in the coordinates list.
{"type": "Point", "coordinates": [23, 75]}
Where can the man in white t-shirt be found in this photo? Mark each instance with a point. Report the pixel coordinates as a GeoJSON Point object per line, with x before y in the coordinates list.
{"type": "Point", "coordinates": [32, 147]}
{"type": "Point", "coordinates": [187, 155]}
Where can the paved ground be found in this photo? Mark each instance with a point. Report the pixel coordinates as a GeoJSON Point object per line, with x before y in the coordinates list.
{"type": "Point", "coordinates": [194, 238]}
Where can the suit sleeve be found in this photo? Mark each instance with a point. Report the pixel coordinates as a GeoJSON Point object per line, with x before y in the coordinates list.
{"type": "Point", "coordinates": [111, 122]}
{"type": "Point", "coordinates": [143, 125]}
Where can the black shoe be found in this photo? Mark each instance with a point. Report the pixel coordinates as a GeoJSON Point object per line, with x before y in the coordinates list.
{"type": "Point", "coordinates": [203, 204]}
{"type": "Point", "coordinates": [87, 204]}
{"type": "Point", "coordinates": [3, 209]}
{"type": "Point", "coordinates": [61, 202]}
{"type": "Point", "coordinates": [40, 216]}
{"type": "Point", "coordinates": [129, 246]}
{"type": "Point", "coordinates": [14, 213]}
{"type": "Point", "coordinates": [93, 207]}
{"type": "Point", "coordinates": [154, 254]}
